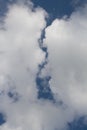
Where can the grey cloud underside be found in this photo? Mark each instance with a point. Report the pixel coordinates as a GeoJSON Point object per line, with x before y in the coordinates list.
{"type": "Point", "coordinates": [55, 63]}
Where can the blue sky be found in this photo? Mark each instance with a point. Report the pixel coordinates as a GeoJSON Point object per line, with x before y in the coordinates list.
{"type": "Point", "coordinates": [55, 8]}
{"type": "Point", "coordinates": [43, 64]}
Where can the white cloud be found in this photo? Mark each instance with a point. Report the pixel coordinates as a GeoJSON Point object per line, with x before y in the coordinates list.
{"type": "Point", "coordinates": [67, 46]}
{"type": "Point", "coordinates": [36, 116]}
{"type": "Point", "coordinates": [19, 59]}
{"type": "Point", "coordinates": [20, 56]}
{"type": "Point", "coordinates": [19, 47]}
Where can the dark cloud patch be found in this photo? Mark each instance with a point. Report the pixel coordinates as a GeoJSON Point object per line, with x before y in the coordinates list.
{"type": "Point", "coordinates": [14, 96]}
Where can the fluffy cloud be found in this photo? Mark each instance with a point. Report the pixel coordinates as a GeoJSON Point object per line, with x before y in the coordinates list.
{"type": "Point", "coordinates": [67, 46]}
{"type": "Point", "coordinates": [20, 56]}
{"type": "Point", "coordinates": [20, 53]}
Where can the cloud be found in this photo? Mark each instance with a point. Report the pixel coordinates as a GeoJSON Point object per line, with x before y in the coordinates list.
{"type": "Point", "coordinates": [20, 56]}
{"type": "Point", "coordinates": [67, 46]}
{"type": "Point", "coordinates": [19, 47]}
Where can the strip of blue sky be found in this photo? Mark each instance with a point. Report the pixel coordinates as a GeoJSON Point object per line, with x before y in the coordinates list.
{"type": "Point", "coordinates": [2, 119]}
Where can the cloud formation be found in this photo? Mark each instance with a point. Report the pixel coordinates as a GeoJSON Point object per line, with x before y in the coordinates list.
{"type": "Point", "coordinates": [20, 56]}
{"type": "Point", "coordinates": [67, 46]}
{"type": "Point", "coordinates": [20, 53]}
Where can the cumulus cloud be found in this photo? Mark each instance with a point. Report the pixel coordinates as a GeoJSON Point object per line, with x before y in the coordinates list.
{"type": "Point", "coordinates": [20, 53]}
{"type": "Point", "coordinates": [67, 46]}
{"type": "Point", "coordinates": [20, 56]}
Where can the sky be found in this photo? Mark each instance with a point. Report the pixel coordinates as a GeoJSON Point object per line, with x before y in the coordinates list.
{"type": "Point", "coordinates": [43, 65]}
